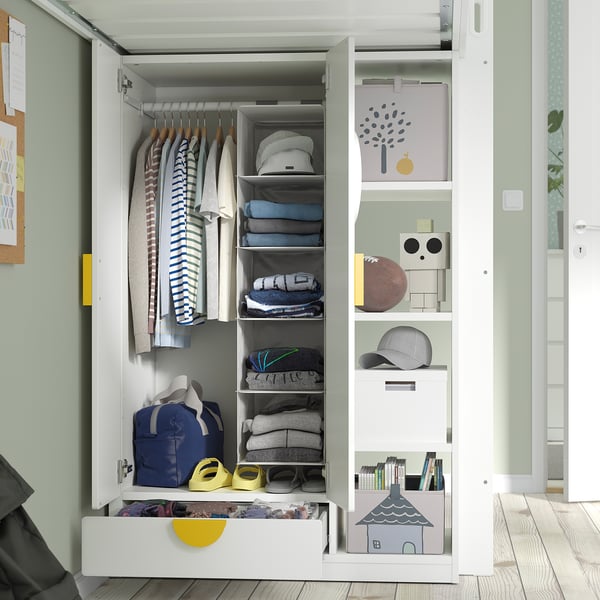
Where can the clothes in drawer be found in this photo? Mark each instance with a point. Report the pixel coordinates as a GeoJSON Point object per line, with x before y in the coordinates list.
{"type": "Point", "coordinates": [198, 548]}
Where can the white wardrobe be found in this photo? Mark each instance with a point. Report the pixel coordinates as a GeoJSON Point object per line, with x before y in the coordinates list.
{"type": "Point", "coordinates": [311, 86]}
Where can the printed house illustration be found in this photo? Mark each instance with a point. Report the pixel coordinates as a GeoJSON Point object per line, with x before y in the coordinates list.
{"type": "Point", "coordinates": [395, 526]}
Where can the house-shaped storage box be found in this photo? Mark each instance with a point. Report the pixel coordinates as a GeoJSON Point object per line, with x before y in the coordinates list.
{"type": "Point", "coordinates": [391, 522]}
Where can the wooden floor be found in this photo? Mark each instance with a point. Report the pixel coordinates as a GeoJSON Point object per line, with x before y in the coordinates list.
{"type": "Point", "coordinates": [544, 549]}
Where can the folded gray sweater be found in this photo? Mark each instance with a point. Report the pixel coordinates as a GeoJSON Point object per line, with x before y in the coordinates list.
{"type": "Point", "coordinates": [301, 420]}
{"type": "Point", "coordinates": [285, 438]}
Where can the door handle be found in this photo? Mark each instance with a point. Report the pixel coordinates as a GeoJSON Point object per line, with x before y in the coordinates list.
{"type": "Point", "coordinates": [580, 226]}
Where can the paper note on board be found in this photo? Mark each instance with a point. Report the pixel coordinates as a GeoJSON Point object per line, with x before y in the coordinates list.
{"type": "Point", "coordinates": [10, 112]}
{"type": "Point", "coordinates": [8, 184]}
{"type": "Point", "coordinates": [16, 39]}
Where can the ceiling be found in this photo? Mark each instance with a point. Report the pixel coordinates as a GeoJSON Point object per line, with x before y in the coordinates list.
{"type": "Point", "coordinates": [180, 26]}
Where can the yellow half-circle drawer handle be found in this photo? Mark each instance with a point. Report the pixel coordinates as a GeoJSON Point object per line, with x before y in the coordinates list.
{"type": "Point", "coordinates": [199, 532]}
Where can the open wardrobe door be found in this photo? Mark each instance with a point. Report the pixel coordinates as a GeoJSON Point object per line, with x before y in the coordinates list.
{"type": "Point", "coordinates": [108, 284]}
{"type": "Point", "coordinates": [339, 275]}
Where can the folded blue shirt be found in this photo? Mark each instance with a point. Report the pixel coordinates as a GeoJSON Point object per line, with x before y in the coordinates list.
{"type": "Point", "coordinates": [273, 297]}
{"type": "Point", "coordinates": [281, 239]}
{"type": "Point", "coordinates": [264, 209]}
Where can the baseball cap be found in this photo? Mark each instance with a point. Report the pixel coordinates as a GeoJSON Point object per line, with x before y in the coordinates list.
{"type": "Point", "coordinates": [285, 152]}
{"type": "Point", "coordinates": [404, 347]}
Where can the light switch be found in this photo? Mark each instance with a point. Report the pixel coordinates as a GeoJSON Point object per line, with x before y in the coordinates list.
{"type": "Point", "coordinates": [512, 199]}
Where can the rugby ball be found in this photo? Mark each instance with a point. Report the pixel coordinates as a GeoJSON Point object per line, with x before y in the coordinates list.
{"type": "Point", "coordinates": [385, 284]}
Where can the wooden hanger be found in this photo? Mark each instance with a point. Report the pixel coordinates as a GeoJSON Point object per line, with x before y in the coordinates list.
{"type": "Point", "coordinates": [180, 128]}
{"type": "Point", "coordinates": [219, 134]}
{"type": "Point", "coordinates": [154, 130]}
{"type": "Point", "coordinates": [188, 129]}
{"type": "Point", "coordinates": [172, 130]}
{"type": "Point", "coordinates": [232, 127]}
{"type": "Point", "coordinates": [164, 130]}
{"type": "Point", "coordinates": [204, 130]}
{"type": "Point", "coordinates": [197, 131]}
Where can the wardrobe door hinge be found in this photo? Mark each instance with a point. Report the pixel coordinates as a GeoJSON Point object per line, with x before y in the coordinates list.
{"type": "Point", "coordinates": [123, 82]}
{"type": "Point", "coordinates": [123, 469]}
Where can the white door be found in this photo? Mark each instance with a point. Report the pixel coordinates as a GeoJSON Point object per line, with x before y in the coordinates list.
{"type": "Point", "coordinates": [109, 284]}
{"type": "Point", "coordinates": [582, 253]}
{"type": "Point", "coordinates": [339, 274]}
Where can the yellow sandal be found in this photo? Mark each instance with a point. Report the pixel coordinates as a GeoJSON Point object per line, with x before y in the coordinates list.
{"type": "Point", "coordinates": [209, 474]}
{"type": "Point", "coordinates": [248, 477]}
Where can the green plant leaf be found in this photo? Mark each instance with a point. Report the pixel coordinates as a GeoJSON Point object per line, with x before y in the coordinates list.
{"type": "Point", "coordinates": [555, 169]}
{"type": "Point", "coordinates": [555, 120]}
{"type": "Point", "coordinates": [556, 184]}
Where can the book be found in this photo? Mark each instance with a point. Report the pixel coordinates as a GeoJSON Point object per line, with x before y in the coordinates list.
{"type": "Point", "coordinates": [427, 472]}
{"type": "Point", "coordinates": [382, 475]}
{"type": "Point", "coordinates": [438, 475]}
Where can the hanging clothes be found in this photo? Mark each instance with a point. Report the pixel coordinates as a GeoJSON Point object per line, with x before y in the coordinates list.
{"type": "Point", "coordinates": [167, 332]}
{"type": "Point", "coordinates": [227, 221]}
{"type": "Point", "coordinates": [151, 187]}
{"type": "Point", "coordinates": [194, 232]}
{"type": "Point", "coordinates": [209, 210]}
{"type": "Point", "coordinates": [182, 229]}
{"type": "Point", "coordinates": [201, 168]}
{"type": "Point", "coordinates": [138, 253]}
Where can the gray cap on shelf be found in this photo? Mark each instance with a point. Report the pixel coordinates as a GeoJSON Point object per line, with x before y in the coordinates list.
{"type": "Point", "coordinates": [404, 347]}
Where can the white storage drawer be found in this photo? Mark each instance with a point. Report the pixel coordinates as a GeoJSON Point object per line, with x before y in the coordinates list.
{"type": "Point", "coordinates": [395, 406]}
{"type": "Point", "coordinates": [244, 549]}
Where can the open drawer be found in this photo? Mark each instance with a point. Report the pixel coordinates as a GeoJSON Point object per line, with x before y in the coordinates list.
{"type": "Point", "coordinates": [198, 548]}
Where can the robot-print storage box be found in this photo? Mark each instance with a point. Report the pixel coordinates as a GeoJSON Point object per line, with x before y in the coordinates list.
{"type": "Point", "coordinates": [397, 521]}
{"type": "Point", "coordinates": [395, 406]}
{"type": "Point", "coordinates": [402, 128]}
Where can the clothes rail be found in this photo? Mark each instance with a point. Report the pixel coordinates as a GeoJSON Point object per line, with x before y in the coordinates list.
{"type": "Point", "coordinates": [193, 107]}
{"type": "Point", "coordinates": [156, 109]}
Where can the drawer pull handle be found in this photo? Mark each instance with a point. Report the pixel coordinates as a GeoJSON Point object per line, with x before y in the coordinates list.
{"type": "Point", "coordinates": [198, 532]}
{"type": "Point", "coordinates": [400, 386]}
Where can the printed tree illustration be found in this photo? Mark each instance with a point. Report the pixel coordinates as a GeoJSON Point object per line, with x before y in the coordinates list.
{"type": "Point", "coordinates": [383, 127]}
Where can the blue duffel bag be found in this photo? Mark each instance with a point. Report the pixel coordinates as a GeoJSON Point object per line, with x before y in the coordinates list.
{"type": "Point", "coordinates": [174, 433]}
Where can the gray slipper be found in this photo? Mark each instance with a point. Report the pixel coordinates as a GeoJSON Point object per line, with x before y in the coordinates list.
{"type": "Point", "coordinates": [282, 479]}
{"type": "Point", "coordinates": [312, 479]}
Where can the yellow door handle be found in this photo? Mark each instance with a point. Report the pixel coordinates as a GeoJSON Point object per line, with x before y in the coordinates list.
{"type": "Point", "coordinates": [86, 279]}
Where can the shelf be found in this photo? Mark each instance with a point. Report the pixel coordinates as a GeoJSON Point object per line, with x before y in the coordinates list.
{"type": "Point", "coordinates": [406, 191]}
{"type": "Point", "coordinates": [390, 559]}
{"type": "Point", "coordinates": [399, 446]}
{"type": "Point", "coordinates": [182, 494]}
{"type": "Point", "coordinates": [390, 56]}
{"type": "Point", "coordinates": [413, 317]}
{"type": "Point", "coordinates": [406, 186]}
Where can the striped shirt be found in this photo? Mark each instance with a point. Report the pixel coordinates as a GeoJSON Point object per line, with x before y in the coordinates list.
{"type": "Point", "coordinates": [151, 180]}
{"type": "Point", "coordinates": [179, 271]}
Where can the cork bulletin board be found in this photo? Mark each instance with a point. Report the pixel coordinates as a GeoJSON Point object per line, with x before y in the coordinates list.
{"type": "Point", "coordinates": [14, 177]}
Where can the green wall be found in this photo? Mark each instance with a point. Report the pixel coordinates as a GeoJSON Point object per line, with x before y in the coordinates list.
{"type": "Point", "coordinates": [45, 354]}
{"type": "Point", "coordinates": [45, 348]}
{"type": "Point", "coordinates": [512, 237]}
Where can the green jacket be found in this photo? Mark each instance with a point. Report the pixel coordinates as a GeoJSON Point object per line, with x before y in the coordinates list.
{"type": "Point", "coordinates": [28, 569]}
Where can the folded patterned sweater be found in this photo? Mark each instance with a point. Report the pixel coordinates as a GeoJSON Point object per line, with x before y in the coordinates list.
{"type": "Point", "coordinates": [286, 358]}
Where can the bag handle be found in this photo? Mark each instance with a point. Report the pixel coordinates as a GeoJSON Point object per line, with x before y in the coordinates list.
{"type": "Point", "coordinates": [189, 394]}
